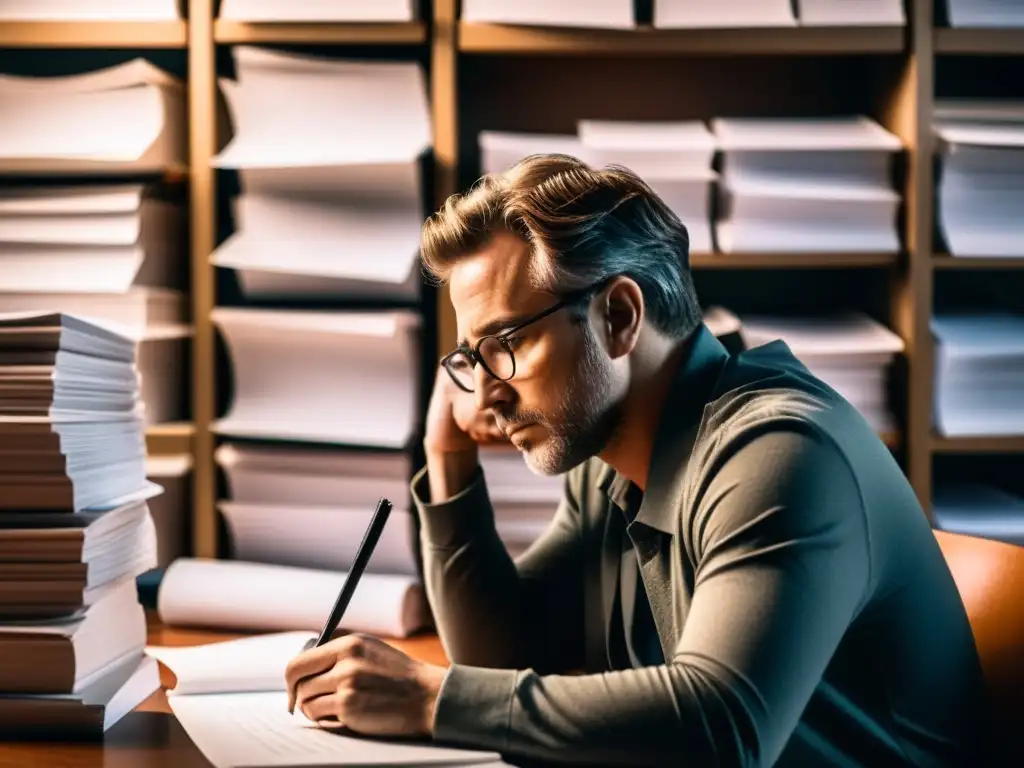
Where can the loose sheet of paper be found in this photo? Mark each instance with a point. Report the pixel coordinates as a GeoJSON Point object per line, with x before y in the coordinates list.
{"type": "Point", "coordinates": [254, 730]}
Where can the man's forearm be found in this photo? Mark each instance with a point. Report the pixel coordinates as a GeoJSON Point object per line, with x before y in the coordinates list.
{"type": "Point", "coordinates": [488, 612]}
{"type": "Point", "coordinates": [677, 714]}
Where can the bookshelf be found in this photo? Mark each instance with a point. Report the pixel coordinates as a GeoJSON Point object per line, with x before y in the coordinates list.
{"type": "Point", "coordinates": [488, 76]}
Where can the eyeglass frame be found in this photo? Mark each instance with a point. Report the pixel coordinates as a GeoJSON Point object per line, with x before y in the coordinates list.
{"type": "Point", "coordinates": [473, 352]}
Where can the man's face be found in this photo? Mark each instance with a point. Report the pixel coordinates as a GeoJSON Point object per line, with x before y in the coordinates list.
{"type": "Point", "coordinates": [560, 407]}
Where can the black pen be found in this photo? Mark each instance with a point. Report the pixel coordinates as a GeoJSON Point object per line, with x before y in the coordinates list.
{"type": "Point", "coordinates": [366, 547]}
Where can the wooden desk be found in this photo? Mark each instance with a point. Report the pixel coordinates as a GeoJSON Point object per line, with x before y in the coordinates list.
{"type": "Point", "coordinates": [150, 737]}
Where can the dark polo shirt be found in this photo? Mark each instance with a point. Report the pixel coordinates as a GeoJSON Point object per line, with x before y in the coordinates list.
{"type": "Point", "coordinates": [775, 597]}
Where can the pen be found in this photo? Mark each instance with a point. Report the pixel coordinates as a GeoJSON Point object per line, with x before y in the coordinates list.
{"type": "Point", "coordinates": [366, 547]}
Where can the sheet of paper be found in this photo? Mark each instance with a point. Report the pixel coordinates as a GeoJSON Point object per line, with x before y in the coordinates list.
{"type": "Point", "coordinates": [93, 10]}
{"type": "Point", "coordinates": [861, 13]}
{"type": "Point", "coordinates": [318, 10]}
{"type": "Point", "coordinates": [612, 14]}
{"type": "Point", "coordinates": [713, 13]}
{"type": "Point", "coordinates": [255, 730]}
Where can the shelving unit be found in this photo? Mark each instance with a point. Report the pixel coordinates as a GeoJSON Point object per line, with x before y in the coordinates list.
{"type": "Point", "coordinates": [93, 34]}
{"type": "Point", "coordinates": [501, 39]}
{"type": "Point", "coordinates": [488, 76]}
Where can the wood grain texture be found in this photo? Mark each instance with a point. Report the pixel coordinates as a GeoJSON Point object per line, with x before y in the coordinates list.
{"type": "Point", "coordinates": [93, 34]}
{"type": "Point", "coordinates": [324, 33]}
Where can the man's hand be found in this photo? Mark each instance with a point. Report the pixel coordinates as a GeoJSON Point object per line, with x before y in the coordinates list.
{"type": "Point", "coordinates": [454, 423]}
{"type": "Point", "coordinates": [365, 685]}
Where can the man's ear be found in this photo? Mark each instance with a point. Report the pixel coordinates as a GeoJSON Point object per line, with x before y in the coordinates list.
{"type": "Point", "coordinates": [621, 308]}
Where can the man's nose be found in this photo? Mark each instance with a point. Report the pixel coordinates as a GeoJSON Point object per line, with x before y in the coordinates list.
{"type": "Point", "coordinates": [488, 390]}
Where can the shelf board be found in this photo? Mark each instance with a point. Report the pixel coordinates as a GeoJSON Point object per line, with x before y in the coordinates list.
{"type": "Point", "coordinates": [93, 34]}
{"type": "Point", "coordinates": [983, 444]}
{"type": "Point", "coordinates": [401, 33]}
{"type": "Point", "coordinates": [942, 261]}
{"type": "Point", "coordinates": [1008, 42]}
{"type": "Point", "coordinates": [173, 437]}
{"type": "Point", "coordinates": [791, 260]}
{"type": "Point", "coordinates": [503, 38]}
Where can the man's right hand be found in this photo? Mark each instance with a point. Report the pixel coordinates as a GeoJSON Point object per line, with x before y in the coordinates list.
{"type": "Point", "coordinates": [454, 423]}
{"type": "Point", "coordinates": [454, 429]}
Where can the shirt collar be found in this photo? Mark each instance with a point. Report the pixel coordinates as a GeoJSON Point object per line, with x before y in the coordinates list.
{"type": "Point", "coordinates": [691, 389]}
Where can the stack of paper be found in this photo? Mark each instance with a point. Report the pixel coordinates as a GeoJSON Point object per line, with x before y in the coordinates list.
{"type": "Point", "coordinates": [230, 698]}
{"type": "Point", "coordinates": [75, 528]}
{"type": "Point", "coordinates": [985, 13]}
{"type": "Point", "coordinates": [126, 118]}
{"type": "Point", "coordinates": [806, 185]}
{"type": "Point", "coordinates": [977, 509]}
{"type": "Point", "coordinates": [328, 153]}
{"type": "Point", "coordinates": [524, 502]}
{"type": "Point", "coordinates": [113, 254]}
{"type": "Point", "coordinates": [862, 13]}
{"type": "Point", "coordinates": [611, 14]}
{"type": "Point", "coordinates": [674, 158]}
{"type": "Point", "coordinates": [850, 352]}
{"type": "Point", "coordinates": [327, 377]}
{"type": "Point", "coordinates": [500, 150]}
{"type": "Point", "coordinates": [714, 13]}
{"type": "Point", "coordinates": [979, 374]}
{"type": "Point", "coordinates": [90, 10]}
{"type": "Point", "coordinates": [319, 10]}
{"type": "Point", "coordinates": [238, 595]}
{"type": "Point", "coordinates": [310, 507]}
{"type": "Point", "coordinates": [981, 180]}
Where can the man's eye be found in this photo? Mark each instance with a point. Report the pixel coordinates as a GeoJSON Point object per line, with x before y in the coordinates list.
{"type": "Point", "coordinates": [511, 342]}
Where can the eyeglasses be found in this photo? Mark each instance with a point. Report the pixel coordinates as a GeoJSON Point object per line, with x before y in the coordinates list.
{"type": "Point", "coordinates": [494, 352]}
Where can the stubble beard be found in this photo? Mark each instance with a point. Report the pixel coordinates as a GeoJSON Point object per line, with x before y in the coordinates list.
{"type": "Point", "coordinates": [584, 422]}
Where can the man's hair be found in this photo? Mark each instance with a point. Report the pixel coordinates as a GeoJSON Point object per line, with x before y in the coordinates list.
{"type": "Point", "coordinates": [583, 225]}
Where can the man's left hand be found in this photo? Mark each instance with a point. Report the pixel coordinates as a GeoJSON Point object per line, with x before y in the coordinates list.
{"type": "Point", "coordinates": [365, 685]}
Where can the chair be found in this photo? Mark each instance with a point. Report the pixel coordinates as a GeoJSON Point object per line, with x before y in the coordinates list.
{"type": "Point", "coordinates": [990, 577]}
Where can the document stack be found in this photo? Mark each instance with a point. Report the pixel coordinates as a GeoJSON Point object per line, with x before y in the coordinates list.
{"type": "Point", "coordinates": [90, 10]}
{"type": "Point", "coordinates": [324, 403]}
{"type": "Point", "coordinates": [985, 13]}
{"type": "Point", "coordinates": [609, 14]}
{"type": "Point", "coordinates": [863, 13]}
{"type": "Point", "coordinates": [979, 374]}
{"type": "Point", "coordinates": [500, 150]}
{"type": "Point", "coordinates": [75, 529]}
{"type": "Point", "coordinates": [806, 185]}
{"type": "Point", "coordinates": [674, 158]}
{"type": "Point", "coordinates": [981, 180]}
{"type": "Point", "coordinates": [298, 515]}
{"type": "Point", "coordinates": [319, 10]}
{"type": "Point", "coordinates": [714, 13]}
{"type": "Point", "coordinates": [850, 352]}
{"type": "Point", "coordinates": [111, 252]}
{"type": "Point", "coordinates": [979, 509]}
{"type": "Point", "coordinates": [335, 211]}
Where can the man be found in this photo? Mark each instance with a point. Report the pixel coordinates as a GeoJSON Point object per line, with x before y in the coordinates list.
{"type": "Point", "coordinates": [738, 567]}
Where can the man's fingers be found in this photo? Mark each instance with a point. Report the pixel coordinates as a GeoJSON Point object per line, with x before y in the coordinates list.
{"type": "Point", "coordinates": [318, 660]}
{"type": "Point", "coordinates": [317, 685]}
{"type": "Point", "coordinates": [325, 707]}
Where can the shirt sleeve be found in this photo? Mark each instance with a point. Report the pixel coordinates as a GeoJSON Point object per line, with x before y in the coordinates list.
{"type": "Point", "coordinates": [783, 564]}
{"type": "Point", "coordinates": [492, 611]}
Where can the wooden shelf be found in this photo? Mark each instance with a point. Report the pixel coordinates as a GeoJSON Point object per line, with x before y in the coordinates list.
{"type": "Point", "coordinates": [501, 38]}
{"type": "Point", "coordinates": [1010, 444]}
{"type": "Point", "coordinates": [792, 260]}
{"type": "Point", "coordinates": [1006, 42]}
{"type": "Point", "coordinates": [984, 262]}
{"type": "Point", "coordinates": [93, 34]}
{"type": "Point", "coordinates": [229, 31]}
{"type": "Point", "coordinates": [174, 437]}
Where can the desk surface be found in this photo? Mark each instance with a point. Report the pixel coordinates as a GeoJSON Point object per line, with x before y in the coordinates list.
{"type": "Point", "coordinates": [150, 737]}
